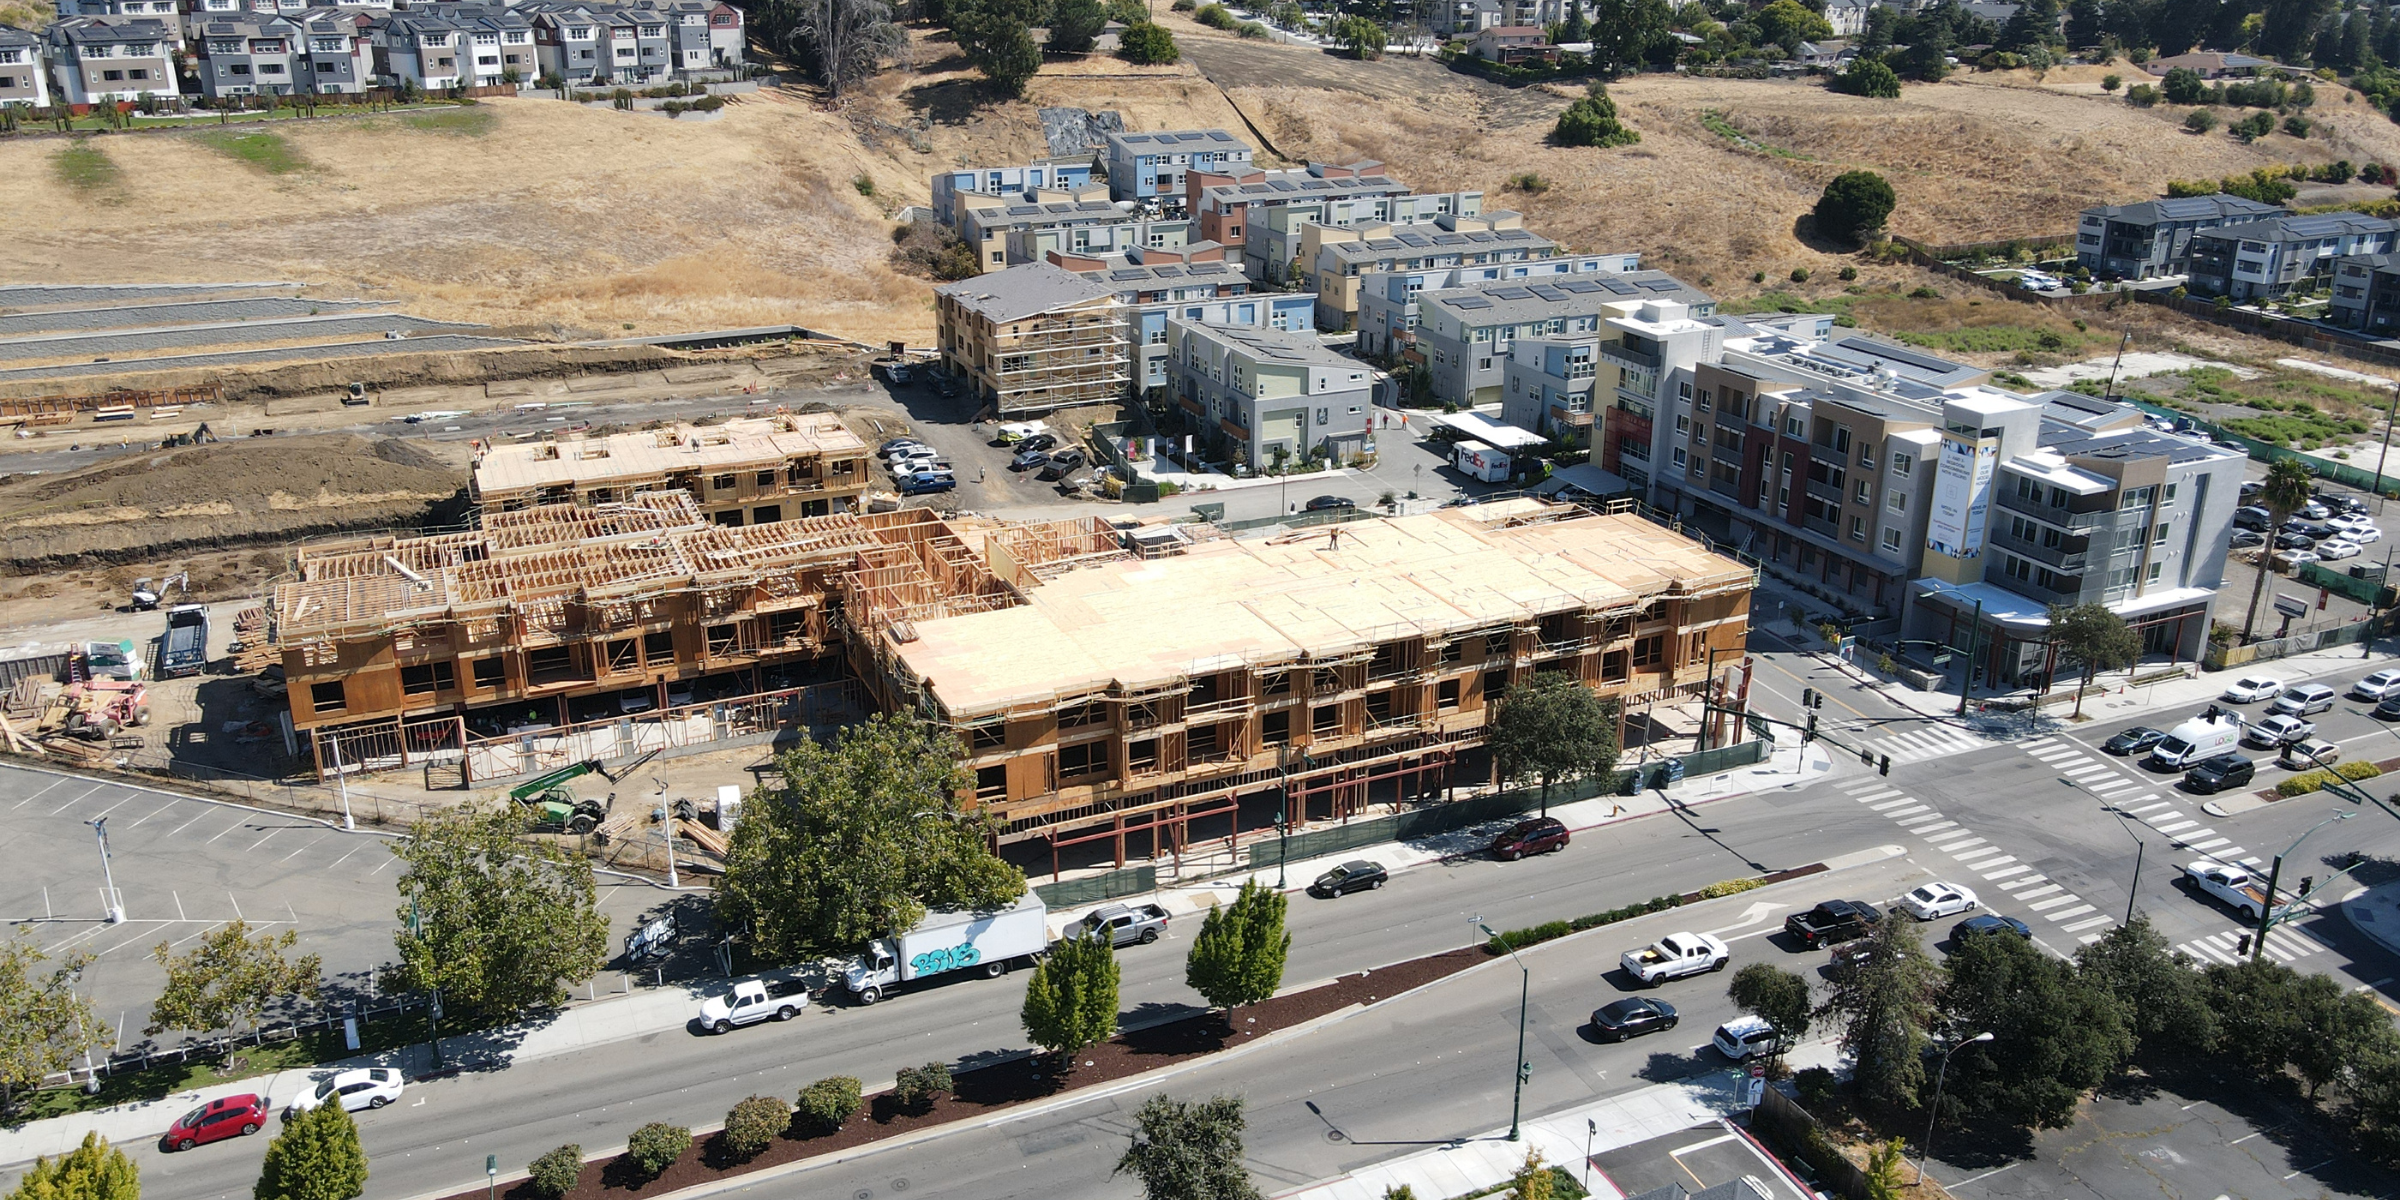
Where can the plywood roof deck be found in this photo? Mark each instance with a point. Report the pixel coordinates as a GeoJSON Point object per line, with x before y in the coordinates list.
{"type": "Point", "coordinates": [623, 459]}
{"type": "Point", "coordinates": [1331, 590]}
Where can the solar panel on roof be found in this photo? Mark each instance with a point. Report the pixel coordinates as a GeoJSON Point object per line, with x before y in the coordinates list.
{"type": "Point", "coordinates": [1546, 292]}
{"type": "Point", "coordinates": [1168, 272]}
{"type": "Point", "coordinates": [1128, 276]}
{"type": "Point", "coordinates": [1618, 286]}
{"type": "Point", "coordinates": [1472, 302]}
{"type": "Point", "coordinates": [1662, 285]}
{"type": "Point", "coordinates": [1581, 287]}
{"type": "Point", "coordinates": [1215, 268]}
{"type": "Point", "coordinates": [1024, 210]}
{"type": "Point", "coordinates": [1411, 239]}
{"type": "Point", "coordinates": [1281, 185]}
{"type": "Point", "coordinates": [1512, 293]}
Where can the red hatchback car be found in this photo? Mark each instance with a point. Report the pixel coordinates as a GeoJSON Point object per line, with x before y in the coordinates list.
{"type": "Point", "coordinates": [233, 1116]}
{"type": "Point", "coordinates": [1539, 835]}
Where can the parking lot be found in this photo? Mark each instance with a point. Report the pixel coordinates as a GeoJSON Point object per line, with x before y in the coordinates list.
{"type": "Point", "coordinates": [2241, 569]}
{"type": "Point", "coordinates": [184, 866]}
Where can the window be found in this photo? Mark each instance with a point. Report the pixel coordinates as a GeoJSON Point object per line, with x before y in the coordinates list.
{"type": "Point", "coordinates": [2156, 570]}
{"type": "Point", "coordinates": [659, 648]}
{"type": "Point", "coordinates": [1896, 501]}
{"type": "Point", "coordinates": [1679, 456]}
{"type": "Point", "coordinates": [990, 736]}
{"type": "Point", "coordinates": [991, 783]}
{"type": "Point", "coordinates": [2169, 496]}
{"type": "Point", "coordinates": [1858, 529]}
{"type": "Point", "coordinates": [1794, 427]}
{"type": "Point", "coordinates": [1705, 406]}
{"type": "Point", "coordinates": [1275, 728]}
{"type": "Point", "coordinates": [1077, 762]}
{"type": "Point", "coordinates": [1783, 497]}
{"type": "Point", "coordinates": [1901, 464]}
{"type": "Point", "coordinates": [327, 697]}
{"type": "Point", "coordinates": [1891, 540]}
{"type": "Point", "coordinates": [2058, 497]}
{"type": "Point", "coordinates": [1089, 713]}
{"type": "Point", "coordinates": [1445, 696]}
{"type": "Point", "coordinates": [1325, 719]}
{"type": "Point", "coordinates": [1866, 492]}
{"type": "Point", "coordinates": [2014, 567]}
{"type": "Point", "coordinates": [1683, 424]}
{"type": "Point", "coordinates": [1649, 651]}
{"type": "Point", "coordinates": [490, 673]}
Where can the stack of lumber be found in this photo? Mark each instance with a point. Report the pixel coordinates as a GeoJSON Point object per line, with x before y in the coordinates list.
{"type": "Point", "coordinates": [702, 836]}
{"type": "Point", "coordinates": [252, 651]}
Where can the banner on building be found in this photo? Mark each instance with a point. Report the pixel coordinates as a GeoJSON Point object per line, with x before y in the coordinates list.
{"type": "Point", "coordinates": [1962, 498]}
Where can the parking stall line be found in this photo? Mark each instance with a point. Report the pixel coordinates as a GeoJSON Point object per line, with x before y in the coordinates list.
{"type": "Point", "coordinates": [353, 850]}
{"type": "Point", "coordinates": [154, 812]}
{"type": "Point", "coordinates": [119, 804]}
{"type": "Point", "coordinates": [36, 796]}
{"type": "Point", "coordinates": [194, 821]}
{"type": "Point", "coordinates": [320, 837]}
{"type": "Point", "coordinates": [77, 800]}
{"type": "Point", "coordinates": [143, 936]}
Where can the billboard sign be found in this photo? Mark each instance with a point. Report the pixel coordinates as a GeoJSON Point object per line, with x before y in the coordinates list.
{"type": "Point", "coordinates": [1962, 498]}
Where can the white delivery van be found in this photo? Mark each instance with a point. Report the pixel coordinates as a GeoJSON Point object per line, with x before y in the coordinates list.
{"type": "Point", "coordinates": [2214, 732]}
{"type": "Point", "coordinates": [1484, 463]}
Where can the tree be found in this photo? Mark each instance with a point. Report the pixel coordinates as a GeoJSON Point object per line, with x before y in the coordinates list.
{"type": "Point", "coordinates": [1238, 956]}
{"type": "Point", "coordinates": [1854, 205]}
{"type": "Point", "coordinates": [1776, 996]}
{"type": "Point", "coordinates": [997, 36]}
{"type": "Point", "coordinates": [1925, 60]}
{"type": "Point", "coordinates": [1553, 730]}
{"type": "Point", "coordinates": [1148, 45]}
{"type": "Point", "coordinates": [1533, 1180]}
{"type": "Point", "coordinates": [555, 1173]}
{"type": "Point", "coordinates": [1885, 1177]}
{"type": "Point", "coordinates": [94, 1170]}
{"type": "Point", "coordinates": [2032, 27]}
{"type": "Point", "coordinates": [845, 40]}
{"type": "Point", "coordinates": [494, 922]}
{"type": "Point", "coordinates": [2253, 127]}
{"type": "Point", "coordinates": [1592, 121]}
{"type": "Point", "coordinates": [44, 1025]}
{"type": "Point", "coordinates": [2055, 1034]}
{"type": "Point", "coordinates": [1876, 38]}
{"type": "Point", "coordinates": [1075, 25]}
{"type": "Point", "coordinates": [1188, 1151]}
{"type": "Point", "coordinates": [227, 980]}
{"type": "Point", "coordinates": [1577, 28]}
{"type": "Point", "coordinates": [1787, 23]}
{"type": "Point", "coordinates": [2087, 23]}
{"type": "Point", "coordinates": [1071, 1001]}
{"type": "Point", "coordinates": [753, 1125]}
{"type": "Point", "coordinates": [1868, 77]}
{"type": "Point", "coordinates": [1361, 36]}
{"type": "Point", "coordinates": [2286, 489]}
{"type": "Point", "coordinates": [858, 838]}
{"type": "Point", "coordinates": [1885, 997]}
{"type": "Point", "coordinates": [316, 1157]}
{"type": "Point", "coordinates": [2159, 989]}
{"type": "Point", "coordinates": [2200, 120]}
{"type": "Point", "coordinates": [2096, 638]}
{"type": "Point", "coordinates": [655, 1147]}
{"type": "Point", "coordinates": [1623, 32]}
{"type": "Point", "coordinates": [2182, 85]}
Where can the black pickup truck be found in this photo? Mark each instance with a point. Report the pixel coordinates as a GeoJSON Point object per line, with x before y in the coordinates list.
{"type": "Point", "coordinates": [1833, 921]}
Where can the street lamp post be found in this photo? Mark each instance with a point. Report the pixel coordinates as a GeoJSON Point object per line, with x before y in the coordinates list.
{"type": "Point", "coordinates": [1966, 671]}
{"type": "Point", "coordinates": [1516, 1105]}
{"type": "Point", "coordinates": [2266, 912]}
{"type": "Point", "coordinates": [113, 910]}
{"type": "Point", "coordinates": [2139, 846]}
{"type": "Point", "coordinates": [1926, 1151]}
{"type": "Point", "coordinates": [1283, 844]}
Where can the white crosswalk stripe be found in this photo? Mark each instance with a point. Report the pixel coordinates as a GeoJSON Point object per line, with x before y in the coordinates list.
{"type": "Point", "coordinates": [2065, 913]}
{"type": "Point", "coordinates": [1997, 876]}
{"type": "Point", "coordinates": [2087, 923]}
{"type": "Point", "coordinates": [1933, 741]}
{"type": "Point", "coordinates": [2285, 944]}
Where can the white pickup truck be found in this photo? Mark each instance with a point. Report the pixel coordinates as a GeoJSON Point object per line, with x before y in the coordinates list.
{"type": "Point", "coordinates": [2232, 884]}
{"type": "Point", "coordinates": [1675, 956]}
{"type": "Point", "coordinates": [750, 1002]}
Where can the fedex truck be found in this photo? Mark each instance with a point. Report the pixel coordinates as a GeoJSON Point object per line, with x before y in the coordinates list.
{"type": "Point", "coordinates": [1480, 461]}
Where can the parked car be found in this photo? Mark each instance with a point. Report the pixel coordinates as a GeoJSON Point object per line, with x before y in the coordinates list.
{"type": "Point", "coordinates": [2243, 539]}
{"type": "Point", "coordinates": [1745, 1037]}
{"type": "Point", "coordinates": [1062, 463]}
{"type": "Point", "coordinates": [927, 483]}
{"type": "Point", "coordinates": [1989, 923]}
{"type": "Point", "coordinates": [2252, 487]}
{"type": "Point", "coordinates": [896, 443]}
{"type": "Point", "coordinates": [1538, 835]}
{"type": "Point", "coordinates": [1043, 442]}
{"type": "Point", "coordinates": [2364, 535]}
{"type": "Point", "coordinates": [1125, 924]}
{"type": "Point", "coordinates": [2389, 709]}
{"type": "Point", "coordinates": [2217, 774]}
{"type": "Point", "coordinates": [2341, 504]}
{"type": "Point", "coordinates": [2315, 529]}
{"type": "Point", "coordinates": [1933, 901]}
{"type": "Point", "coordinates": [2293, 560]}
{"type": "Point", "coordinates": [2133, 741]}
{"type": "Point", "coordinates": [752, 1001]}
{"type": "Point", "coordinates": [2347, 523]}
{"type": "Point", "coordinates": [2315, 510]}
{"type": "Point", "coordinates": [2276, 730]}
{"type": "Point", "coordinates": [1027, 460]}
{"type": "Point", "coordinates": [226, 1117]}
{"type": "Point", "coordinates": [2252, 688]}
{"type": "Point", "coordinates": [2336, 548]}
{"type": "Point", "coordinates": [1358, 876]}
{"type": "Point", "coordinates": [2254, 518]}
{"type": "Point", "coordinates": [2294, 541]}
{"type": "Point", "coordinates": [1833, 921]}
{"type": "Point", "coordinates": [369, 1087]}
{"type": "Point", "coordinates": [2301, 699]}
{"type": "Point", "coordinates": [1631, 1018]}
{"type": "Point", "coordinates": [2307, 755]}
{"type": "Point", "coordinates": [1330, 503]}
{"type": "Point", "coordinates": [2376, 686]}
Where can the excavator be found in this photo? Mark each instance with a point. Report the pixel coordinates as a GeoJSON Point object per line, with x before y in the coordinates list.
{"type": "Point", "coordinates": [557, 810]}
{"type": "Point", "coordinates": [146, 597]}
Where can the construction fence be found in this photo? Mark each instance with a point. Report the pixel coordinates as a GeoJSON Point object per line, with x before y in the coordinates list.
{"type": "Point", "coordinates": [687, 729]}
{"type": "Point", "coordinates": [1092, 889]}
{"type": "Point", "coordinates": [2223, 655]}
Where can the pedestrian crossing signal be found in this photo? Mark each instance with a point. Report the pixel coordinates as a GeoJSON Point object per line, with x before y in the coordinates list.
{"type": "Point", "coordinates": [1885, 767]}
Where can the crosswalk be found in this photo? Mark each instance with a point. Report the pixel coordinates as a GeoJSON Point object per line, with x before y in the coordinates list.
{"type": "Point", "coordinates": [1930, 742]}
{"type": "Point", "coordinates": [2143, 801]}
{"type": "Point", "coordinates": [2029, 889]}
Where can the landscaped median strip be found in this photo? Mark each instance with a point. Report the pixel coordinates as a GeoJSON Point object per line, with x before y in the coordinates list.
{"type": "Point", "coordinates": [1025, 1085]}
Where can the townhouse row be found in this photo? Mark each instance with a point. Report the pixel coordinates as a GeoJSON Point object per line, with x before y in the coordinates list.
{"type": "Point", "coordinates": [103, 51]}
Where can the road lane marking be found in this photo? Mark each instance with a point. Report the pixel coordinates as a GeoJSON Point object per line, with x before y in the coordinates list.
{"type": "Point", "coordinates": [2064, 913]}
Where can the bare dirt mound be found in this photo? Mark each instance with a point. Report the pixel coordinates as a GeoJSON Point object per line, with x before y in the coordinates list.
{"type": "Point", "coordinates": [223, 495]}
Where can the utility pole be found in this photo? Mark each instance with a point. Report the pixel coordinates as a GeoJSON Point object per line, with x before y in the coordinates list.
{"type": "Point", "coordinates": [112, 907]}
{"type": "Point", "coordinates": [1966, 672]}
{"type": "Point", "coordinates": [2266, 912]}
{"type": "Point", "coordinates": [1516, 1108]}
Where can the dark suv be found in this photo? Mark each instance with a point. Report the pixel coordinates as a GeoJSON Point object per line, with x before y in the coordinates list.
{"type": "Point", "coordinates": [2217, 774]}
{"type": "Point", "coordinates": [1539, 835]}
{"type": "Point", "coordinates": [1832, 922]}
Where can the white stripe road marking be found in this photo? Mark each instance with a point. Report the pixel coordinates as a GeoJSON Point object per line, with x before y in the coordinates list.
{"type": "Point", "coordinates": [2043, 890]}
{"type": "Point", "coordinates": [2088, 938]}
{"type": "Point", "coordinates": [162, 808]}
{"type": "Point", "coordinates": [2052, 901]}
{"type": "Point", "coordinates": [2139, 809]}
{"type": "Point", "coordinates": [1994, 862]}
{"type": "Point", "coordinates": [2025, 882]}
{"type": "Point", "coordinates": [2019, 869]}
{"type": "Point", "coordinates": [2194, 835]}
{"type": "Point", "coordinates": [1909, 811]}
{"type": "Point", "coordinates": [71, 803]}
{"type": "Point", "coordinates": [1871, 797]}
{"type": "Point", "coordinates": [2076, 911]}
{"type": "Point", "coordinates": [2204, 950]}
{"type": "Point", "coordinates": [2088, 923]}
{"type": "Point", "coordinates": [2113, 788]}
{"type": "Point", "coordinates": [1963, 851]}
{"type": "Point", "coordinates": [1953, 839]}
{"type": "Point", "coordinates": [36, 796]}
{"type": "Point", "coordinates": [2211, 843]}
{"type": "Point", "coordinates": [1981, 856]}
{"type": "Point", "coordinates": [2179, 825]}
{"type": "Point", "coordinates": [2088, 770]}
{"type": "Point", "coordinates": [1929, 823]}
{"type": "Point", "coordinates": [1895, 802]}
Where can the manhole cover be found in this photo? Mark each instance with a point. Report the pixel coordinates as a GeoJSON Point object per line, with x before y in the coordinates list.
{"type": "Point", "coordinates": [1335, 1135]}
{"type": "Point", "coordinates": [900, 1185]}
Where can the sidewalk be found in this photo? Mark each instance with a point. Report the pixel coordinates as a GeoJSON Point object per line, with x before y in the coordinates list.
{"type": "Point", "coordinates": [2375, 912]}
{"type": "Point", "coordinates": [585, 1026]}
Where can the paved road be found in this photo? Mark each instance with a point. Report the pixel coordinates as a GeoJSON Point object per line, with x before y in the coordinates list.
{"type": "Point", "coordinates": [437, 1137]}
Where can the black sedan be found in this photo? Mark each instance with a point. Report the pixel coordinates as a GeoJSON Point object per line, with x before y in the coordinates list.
{"type": "Point", "coordinates": [2389, 710]}
{"type": "Point", "coordinates": [2134, 740]}
{"type": "Point", "coordinates": [1989, 923]}
{"type": "Point", "coordinates": [1359, 876]}
{"type": "Point", "coordinates": [1027, 460]}
{"type": "Point", "coordinates": [2315, 529]}
{"type": "Point", "coordinates": [1331, 503]}
{"type": "Point", "coordinates": [1631, 1018]}
{"type": "Point", "coordinates": [2294, 541]}
{"type": "Point", "coordinates": [2243, 538]}
{"type": "Point", "coordinates": [1040, 441]}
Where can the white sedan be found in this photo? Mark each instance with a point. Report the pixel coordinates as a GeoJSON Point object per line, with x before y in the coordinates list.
{"type": "Point", "coordinates": [2251, 688]}
{"type": "Point", "coordinates": [2293, 560]}
{"type": "Point", "coordinates": [2362, 534]}
{"type": "Point", "coordinates": [2376, 686]}
{"type": "Point", "coordinates": [1937, 900]}
{"type": "Point", "coordinates": [372, 1087]}
{"type": "Point", "coordinates": [2338, 548]}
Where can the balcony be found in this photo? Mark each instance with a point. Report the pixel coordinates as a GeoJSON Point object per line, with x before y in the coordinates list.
{"type": "Point", "coordinates": [1628, 360]}
{"type": "Point", "coordinates": [1729, 455]}
{"type": "Point", "coordinates": [2065, 558]}
{"type": "Point", "coordinates": [2085, 522]}
{"type": "Point", "coordinates": [1825, 492]}
{"type": "Point", "coordinates": [1820, 525]}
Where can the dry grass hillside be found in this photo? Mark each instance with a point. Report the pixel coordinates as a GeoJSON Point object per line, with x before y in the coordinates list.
{"type": "Point", "coordinates": [556, 221]}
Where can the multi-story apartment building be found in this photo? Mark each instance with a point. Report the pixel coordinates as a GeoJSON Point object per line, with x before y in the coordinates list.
{"type": "Point", "coordinates": [419, 49]}
{"type": "Point", "coordinates": [635, 47]}
{"type": "Point", "coordinates": [1263, 211]}
{"type": "Point", "coordinates": [1087, 232]}
{"type": "Point", "coordinates": [1387, 299]}
{"type": "Point", "coordinates": [1148, 698]}
{"type": "Point", "coordinates": [1278, 233]}
{"type": "Point", "coordinates": [1007, 185]}
{"type": "Point", "coordinates": [167, 12]}
{"type": "Point", "coordinates": [103, 59]}
{"type": "Point", "coordinates": [2265, 260]}
{"type": "Point", "coordinates": [748, 471]}
{"type": "Point", "coordinates": [989, 223]}
{"type": "Point", "coordinates": [1035, 338]}
{"type": "Point", "coordinates": [24, 79]}
{"type": "Point", "coordinates": [567, 42]}
{"type": "Point", "coordinates": [252, 56]}
{"type": "Point", "coordinates": [1342, 256]}
{"type": "Point", "coordinates": [1148, 168]}
{"type": "Point", "coordinates": [340, 58]}
{"type": "Point", "coordinates": [1199, 282]}
{"type": "Point", "coordinates": [499, 48]}
{"type": "Point", "coordinates": [1464, 334]}
{"type": "Point", "coordinates": [1265, 397]}
{"type": "Point", "coordinates": [2366, 292]}
{"type": "Point", "coordinates": [2055, 501]}
{"type": "Point", "coordinates": [2153, 238]}
{"type": "Point", "coordinates": [1551, 382]}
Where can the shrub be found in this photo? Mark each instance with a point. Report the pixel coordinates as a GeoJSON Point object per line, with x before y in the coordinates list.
{"type": "Point", "coordinates": [1848, 273]}
{"type": "Point", "coordinates": [1251, 29]}
{"type": "Point", "coordinates": [1529, 183]}
{"type": "Point", "coordinates": [2312, 781]}
{"type": "Point", "coordinates": [2141, 95]}
{"type": "Point", "coordinates": [2200, 120]}
{"type": "Point", "coordinates": [1816, 1085]}
{"type": "Point", "coordinates": [1728, 887]}
{"type": "Point", "coordinates": [2110, 83]}
{"type": "Point", "coordinates": [1924, 292]}
{"type": "Point", "coordinates": [1215, 16]}
{"type": "Point", "coordinates": [1551, 930]}
{"type": "Point", "coordinates": [1868, 77]}
{"type": "Point", "coordinates": [2253, 127]}
{"type": "Point", "coordinates": [914, 1088]}
{"type": "Point", "coordinates": [1592, 121]}
{"type": "Point", "coordinates": [553, 1175]}
{"type": "Point", "coordinates": [829, 1102]}
{"type": "Point", "coordinates": [1799, 274]}
{"type": "Point", "coordinates": [2297, 125]}
{"type": "Point", "coordinates": [863, 184]}
{"type": "Point", "coordinates": [1758, 276]}
{"type": "Point", "coordinates": [753, 1125]}
{"type": "Point", "coordinates": [1183, 5]}
{"type": "Point", "coordinates": [1855, 204]}
{"type": "Point", "coordinates": [1148, 45]}
{"type": "Point", "coordinates": [655, 1147]}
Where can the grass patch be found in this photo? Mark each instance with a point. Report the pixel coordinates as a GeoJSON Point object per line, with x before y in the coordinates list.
{"type": "Point", "coordinates": [1793, 302]}
{"type": "Point", "coordinates": [2310, 430]}
{"type": "Point", "coordinates": [134, 1087]}
{"type": "Point", "coordinates": [1992, 339]}
{"type": "Point", "coordinates": [268, 152]}
{"type": "Point", "coordinates": [1716, 123]}
{"type": "Point", "coordinates": [2295, 408]}
{"type": "Point", "coordinates": [1972, 324]}
{"type": "Point", "coordinates": [457, 121]}
{"type": "Point", "coordinates": [83, 167]}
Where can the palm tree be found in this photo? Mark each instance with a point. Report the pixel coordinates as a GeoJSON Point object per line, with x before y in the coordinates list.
{"type": "Point", "coordinates": [2288, 482]}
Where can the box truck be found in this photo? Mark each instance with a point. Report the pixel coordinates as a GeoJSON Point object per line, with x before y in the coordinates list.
{"type": "Point", "coordinates": [950, 940]}
{"type": "Point", "coordinates": [2214, 732]}
{"type": "Point", "coordinates": [1483, 462]}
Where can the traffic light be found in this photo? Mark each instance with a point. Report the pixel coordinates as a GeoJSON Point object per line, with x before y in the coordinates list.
{"type": "Point", "coordinates": [1866, 756]}
{"type": "Point", "coordinates": [1808, 697]}
{"type": "Point", "coordinates": [2307, 882]}
{"type": "Point", "coordinates": [1811, 734]}
{"type": "Point", "coordinates": [2243, 948]}
{"type": "Point", "coordinates": [1884, 767]}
